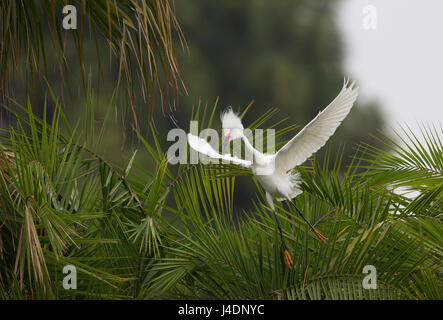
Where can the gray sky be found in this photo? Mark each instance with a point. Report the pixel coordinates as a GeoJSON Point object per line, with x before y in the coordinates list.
{"type": "Point", "coordinates": [400, 63]}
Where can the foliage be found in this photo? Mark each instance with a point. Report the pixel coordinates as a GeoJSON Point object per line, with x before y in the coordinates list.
{"type": "Point", "coordinates": [61, 203]}
{"type": "Point", "coordinates": [282, 53]}
{"type": "Point", "coordinates": [177, 232]}
{"type": "Point", "coordinates": [139, 34]}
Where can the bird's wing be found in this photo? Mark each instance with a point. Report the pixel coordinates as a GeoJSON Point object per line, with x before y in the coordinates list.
{"type": "Point", "coordinates": [317, 132]}
{"type": "Point", "coordinates": [202, 146]}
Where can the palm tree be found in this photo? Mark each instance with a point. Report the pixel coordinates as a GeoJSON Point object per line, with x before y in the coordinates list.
{"type": "Point", "coordinates": [384, 211]}
{"type": "Point", "coordinates": [62, 204]}
{"type": "Point", "coordinates": [173, 232]}
{"type": "Point", "coordinates": [139, 34]}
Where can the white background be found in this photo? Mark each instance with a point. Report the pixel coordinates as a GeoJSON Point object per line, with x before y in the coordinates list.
{"type": "Point", "coordinates": [400, 64]}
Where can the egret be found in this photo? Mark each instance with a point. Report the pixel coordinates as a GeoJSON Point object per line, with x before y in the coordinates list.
{"type": "Point", "coordinates": [275, 172]}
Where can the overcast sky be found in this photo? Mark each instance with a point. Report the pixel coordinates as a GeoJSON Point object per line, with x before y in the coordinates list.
{"type": "Point", "coordinates": [400, 63]}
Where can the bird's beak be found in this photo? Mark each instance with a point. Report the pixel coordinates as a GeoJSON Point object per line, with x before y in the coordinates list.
{"type": "Point", "coordinates": [226, 139]}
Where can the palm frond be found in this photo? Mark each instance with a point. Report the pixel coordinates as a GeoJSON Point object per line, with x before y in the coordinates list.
{"type": "Point", "coordinates": [138, 33]}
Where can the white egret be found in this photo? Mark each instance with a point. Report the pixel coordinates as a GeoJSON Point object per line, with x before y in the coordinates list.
{"type": "Point", "coordinates": [274, 172]}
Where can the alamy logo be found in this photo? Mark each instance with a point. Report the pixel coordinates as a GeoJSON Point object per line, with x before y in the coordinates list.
{"type": "Point", "coordinates": [70, 281]}
{"type": "Point", "coordinates": [70, 20]}
{"type": "Point", "coordinates": [177, 151]}
{"type": "Point", "coordinates": [370, 281]}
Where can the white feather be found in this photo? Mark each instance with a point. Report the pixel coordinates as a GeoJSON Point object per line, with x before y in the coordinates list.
{"type": "Point", "coordinates": [278, 181]}
{"type": "Point", "coordinates": [273, 172]}
{"type": "Point", "coordinates": [202, 146]}
{"type": "Point", "coordinates": [314, 135]}
{"type": "Point", "coordinates": [230, 120]}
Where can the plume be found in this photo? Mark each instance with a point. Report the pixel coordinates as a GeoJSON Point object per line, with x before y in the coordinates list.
{"type": "Point", "coordinates": [230, 120]}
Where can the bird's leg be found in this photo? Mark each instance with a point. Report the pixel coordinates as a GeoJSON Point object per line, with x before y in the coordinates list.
{"type": "Point", "coordinates": [321, 237]}
{"type": "Point", "coordinates": [287, 256]}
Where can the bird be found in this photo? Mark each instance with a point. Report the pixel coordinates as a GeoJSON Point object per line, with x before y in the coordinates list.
{"type": "Point", "coordinates": [275, 172]}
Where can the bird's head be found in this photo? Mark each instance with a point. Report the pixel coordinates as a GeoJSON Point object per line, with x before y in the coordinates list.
{"type": "Point", "coordinates": [231, 124]}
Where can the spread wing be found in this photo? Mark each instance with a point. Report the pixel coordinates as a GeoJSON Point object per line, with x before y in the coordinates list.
{"type": "Point", "coordinates": [202, 146]}
{"type": "Point", "coordinates": [317, 132]}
